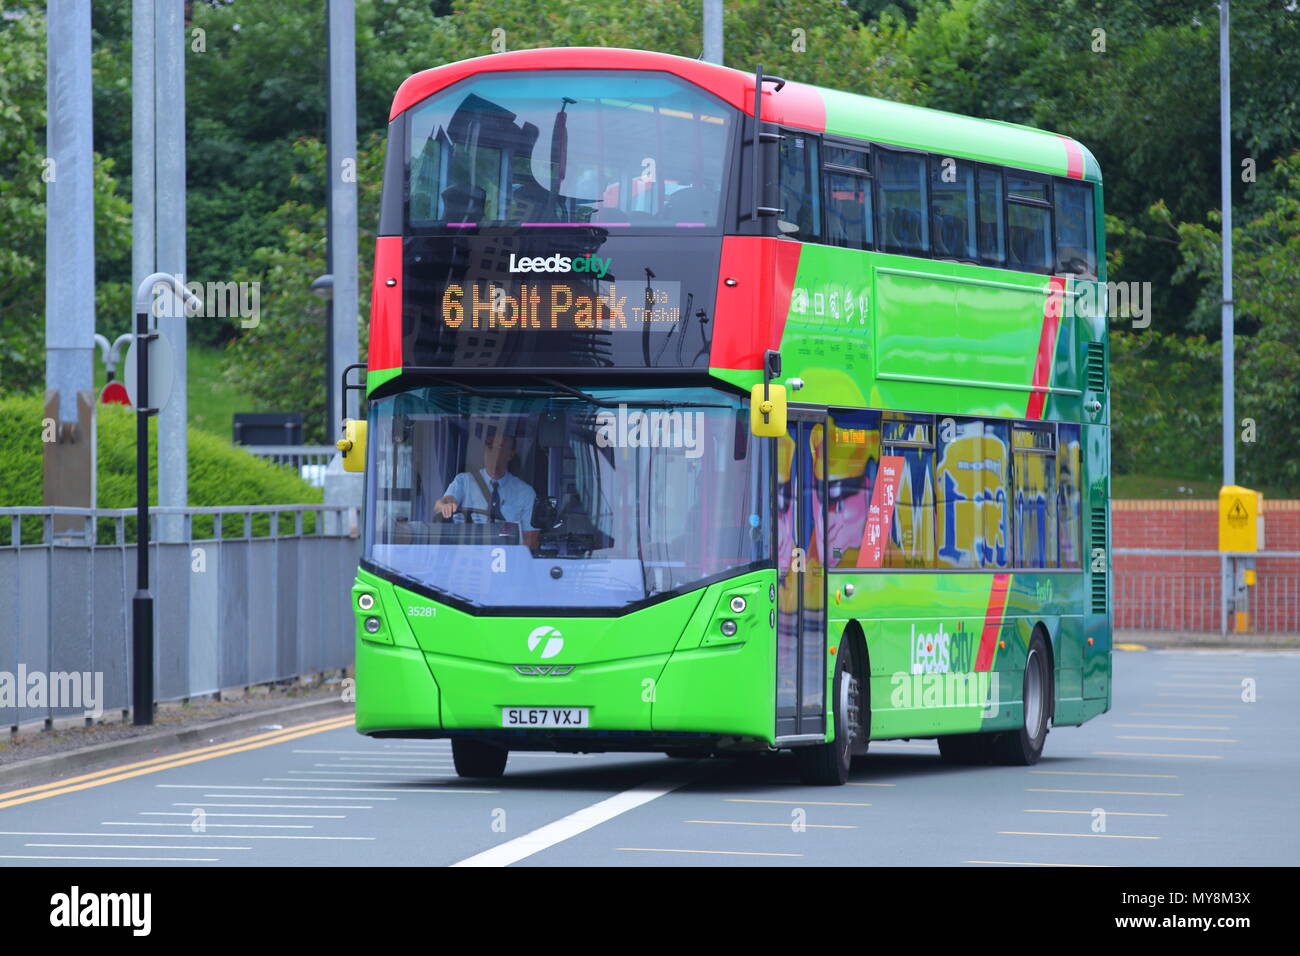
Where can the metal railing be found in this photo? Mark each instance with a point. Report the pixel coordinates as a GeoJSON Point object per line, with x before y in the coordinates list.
{"type": "Point", "coordinates": [309, 461]}
{"type": "Point", "coordinates": [1182, 600]}
{"type": "Point", "coordinates": [246, 595]}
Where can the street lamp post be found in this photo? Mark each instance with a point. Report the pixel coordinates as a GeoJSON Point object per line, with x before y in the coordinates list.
{"type": "Point", "coordinates": [142, 602]}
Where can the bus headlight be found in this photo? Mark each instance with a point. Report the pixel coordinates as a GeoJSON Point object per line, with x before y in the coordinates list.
{"type": "Point", "coordinates": [366, 601]}
{"type": "Point", "coordinates": [372, 625]}
{"type": "Point", "coordinates": [738, 605]}
{"type": "Point", "coordinates": [729, 628]}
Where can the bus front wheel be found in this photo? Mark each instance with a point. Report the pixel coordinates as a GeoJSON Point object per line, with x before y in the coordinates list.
{"type": "Point", "coordinates": [474, 758]}
{"type": "Point", "coordinates": [828, 764]}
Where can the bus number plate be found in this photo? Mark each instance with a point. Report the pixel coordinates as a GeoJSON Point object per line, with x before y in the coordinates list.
{"type": "Point", "coordinates": [544, 717]}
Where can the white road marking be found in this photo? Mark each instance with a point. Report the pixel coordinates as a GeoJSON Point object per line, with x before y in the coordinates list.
{"type": "Point", "coordinates": [283, 816]}
{"type": "Point", "coordinates": [132, 846]}
{"type": "Point", "coordinates": [545, 837]}
{"type": "Point", "coordinates": [118, 859]}
{"type": "Point", "coordinates": [293, 796]}
{"type": "Point", "coordinates": [273, 806]}
{"type": "Point", "coordinates": [180, 836]}
{"type": "Point", "coordinates": [223, 826]}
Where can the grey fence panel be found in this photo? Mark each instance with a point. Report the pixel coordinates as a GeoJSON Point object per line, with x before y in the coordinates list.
{"type": "Point", "coordinates": [34, 614]}
{"type": "Point", "coordinates": [12, 627]}
{"type": "Point", "coordinates": [234, 613]}
{"type": "Point", "coordinates": [312, 553]}
{"type": "Point", "coordinates": [172, 620]}
{"type": "Point", "coordinates": [287, 660]}
{"type": "Point", "coordinates": [112, 625]}
{"type": "Point", "coordinates": [205, 620]}
{"type": "Point", "coordinates": [261, 608]}
{"type": "Point", "coordinates": [228, 611]}
{"type": "Point", "coordinates": [71, 644]}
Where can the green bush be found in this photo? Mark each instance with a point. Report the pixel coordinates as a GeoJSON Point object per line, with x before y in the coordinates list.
{"type": "Point", "coordinates": [220, 474]}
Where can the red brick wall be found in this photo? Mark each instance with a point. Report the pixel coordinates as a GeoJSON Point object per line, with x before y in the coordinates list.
{"type": "Point", "coordinates": [1182, 592]}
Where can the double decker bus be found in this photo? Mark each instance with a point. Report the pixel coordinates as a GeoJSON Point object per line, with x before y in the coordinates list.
{"type": "Point", "coordinates": [713, 413]}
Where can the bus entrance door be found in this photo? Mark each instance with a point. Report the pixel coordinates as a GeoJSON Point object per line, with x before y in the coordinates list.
{"type": "Point", "coordinates": [801, 582]}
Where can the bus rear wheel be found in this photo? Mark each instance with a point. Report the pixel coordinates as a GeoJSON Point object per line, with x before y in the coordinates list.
{"type": "Point", "coordinates": [828, 765]}
{"type": "Point", "coordinates": [1023, 747]}
{"type": "Point", "coordinates": [474, 758]}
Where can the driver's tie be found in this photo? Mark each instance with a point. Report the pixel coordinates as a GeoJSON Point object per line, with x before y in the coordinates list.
{"type": "Point", "coordinates": [494, 506]}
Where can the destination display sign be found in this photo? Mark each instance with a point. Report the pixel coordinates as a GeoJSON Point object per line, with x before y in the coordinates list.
{"type": "Point", "coordinates": [558, 299]}
{"type": "Point", "coordinates": [559, 305]}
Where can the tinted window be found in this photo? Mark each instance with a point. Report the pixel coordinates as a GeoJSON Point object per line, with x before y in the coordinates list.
{"type": "Point", "coordinates": [952, 208]}
{"type": "Point", "coordinates": [1035, 498]}
{"type": "Point", "coordinates": [847, 157]}
{"type": "Point", "coordinates": [848, 210]}
{"type": "Point", "coordinates": [992, 246]}
{"type": "Point", "coordinates": [1029, 237]}
{"type": "Point", "coordinates": [1020, 186]}
{"type": "Point", "coordinates": [802, 216]}
{"type": "Point", "coordinates": [852, 456]}
{"type": "Point", "coordinates": [622, 148]}
{"type": "Point", "coordinates": [903, 215]}
{"type": "Point", "coordinates": [972, 489]}
{"type": "Point", "coordinates": [1075, 248]}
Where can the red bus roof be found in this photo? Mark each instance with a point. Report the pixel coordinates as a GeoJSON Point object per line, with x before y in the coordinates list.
{"type": "Point", "coordinates": [798, 105]}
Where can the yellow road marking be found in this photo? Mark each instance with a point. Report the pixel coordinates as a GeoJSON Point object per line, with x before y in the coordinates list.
{"type": "Point", "coordinates": [746, 823]}
{"type": "Point", "coordinates": [1114, 813]}
{"type": "Point", "coordinates": [1199, 740]}
{"type": "Point", "coordinates": [1109, 793]}
{"type": "Point", "coordinates": [654, 849]}
{"type": "Point", "coordinates": [196, 758]}
{"type": "Point", "coordinates": [1016, 863]}
{"type": "Point", "coordinates": [167, 758]}
{"type": "Point", "coordinates": [796, 803]}
{"type": "Point", "coordinates": [1125, 647]}
{"type": "Point", "coordinates": [1098, 836]}
{"type": "Point", "coordinates": [1103, 773]}
{"type": "Point", "coordinates": [1123, 753]}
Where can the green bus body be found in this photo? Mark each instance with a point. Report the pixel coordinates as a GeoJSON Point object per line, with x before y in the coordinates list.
{"type": "Point", "coordinates": [925, 337]}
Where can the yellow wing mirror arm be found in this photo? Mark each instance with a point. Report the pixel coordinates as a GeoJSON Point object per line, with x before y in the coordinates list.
{"type": "Point", "coordinates": [353, 443]}
{"type": "Point", "coordinates": [767, 402]}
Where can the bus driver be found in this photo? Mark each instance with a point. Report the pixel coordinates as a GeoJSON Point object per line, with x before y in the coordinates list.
{"type": "Point", "coordinates": [493, 490]}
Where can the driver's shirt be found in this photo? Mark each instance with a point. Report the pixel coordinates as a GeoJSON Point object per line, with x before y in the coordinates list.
{"type": "Point", "coordinates": [517, 497]}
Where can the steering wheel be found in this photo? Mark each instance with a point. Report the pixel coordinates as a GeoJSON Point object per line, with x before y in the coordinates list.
{"type": "Point", "coordinates": [461, 511]}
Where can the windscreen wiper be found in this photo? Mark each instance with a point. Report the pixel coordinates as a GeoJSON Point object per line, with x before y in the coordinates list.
{"type": "Point", "coordinates": [606, 403]}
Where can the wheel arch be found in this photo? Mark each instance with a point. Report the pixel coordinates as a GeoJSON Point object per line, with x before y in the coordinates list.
{"type": "Point", "coordinates": [1040, 627]}
{"type": "Point", "coordinates": [857, 638]}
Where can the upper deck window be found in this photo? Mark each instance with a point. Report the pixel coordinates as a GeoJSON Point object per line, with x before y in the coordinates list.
{"type": "Point", "coordinates": [622, 149]}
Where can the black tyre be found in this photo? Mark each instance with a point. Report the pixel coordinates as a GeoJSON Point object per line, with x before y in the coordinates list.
{"type": "Point", "coordinates": [966, 748]}
{"type": "Point", "coordinates": [1024, 746]}
{"type": "Point", "coordinates": [474, 758]}
{"type": "Point", "coordinates": [827, 765]}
